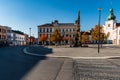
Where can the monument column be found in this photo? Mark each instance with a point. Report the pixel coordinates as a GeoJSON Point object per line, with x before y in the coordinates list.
{"type": "Point", "coordinates": [77, 34]}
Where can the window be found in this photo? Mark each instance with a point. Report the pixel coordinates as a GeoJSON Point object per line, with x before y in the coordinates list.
{"type": "Point", "coordinates": [63, 30]}
{"type": "Point", "coordinates": [8, 31]}
{"type": "Point", "coordinates": [66, 35]}
{"type": "Point", "coordinates": [9, 36]}
{"type": "Point", "coordinates": [108, 25]}
{"type": "Point", "coordinates": [73, 30]}
{"type": "Point", "coordinates": [108, 34]}
{"type": "Point", "coordinates": [40, 30]}
{"type": "Point", "coordinates": [66, 30]}
{"type": "Point", "coordinates": [59, 30]}
{"type": "Point", "coordinates": [43, 29]}
{"type": "Point", "coordinates": [50, 29]}
{"type": "Point", "coordinates": [3, 37]}
{"type": "Point", "coordinates": [47, 30]}
{"type": "Point", "coordinates": [4, 31]}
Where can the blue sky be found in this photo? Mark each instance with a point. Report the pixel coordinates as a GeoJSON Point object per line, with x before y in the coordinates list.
{"type": "Point", "coordinates": [23, 14]}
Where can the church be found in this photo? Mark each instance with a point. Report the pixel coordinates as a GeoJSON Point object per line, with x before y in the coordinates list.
{"type": "Point", "coordinates": [112, 29]}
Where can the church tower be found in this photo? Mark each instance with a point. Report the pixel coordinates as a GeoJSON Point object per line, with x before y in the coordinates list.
{"type": "Point", "coordinates": [111, 20]}
{"type": "Point", "coordinates": [110, 25]}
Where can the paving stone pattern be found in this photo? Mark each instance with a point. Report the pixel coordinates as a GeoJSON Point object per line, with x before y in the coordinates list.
{"type": "Point", "coordinates": [95, 70]}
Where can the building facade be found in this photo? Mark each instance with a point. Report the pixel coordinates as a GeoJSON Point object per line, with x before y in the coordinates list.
{"type": "Point", "coordinates": [65, 29]}
{"type": "Point", "coordinates": [3, 33]}
{"type": "Point", "coordinates": [32, 40]}
{"type": "Point", "coordinates": [8, 34]}
{"type": "Point", "coordinates": [26, 39]}
{"type": "Point", "coordinates": [18, 38]}
{"type": "Point", "coordinates": [112, 29]}
{"type": "Point", "coordinates": [12, 37]}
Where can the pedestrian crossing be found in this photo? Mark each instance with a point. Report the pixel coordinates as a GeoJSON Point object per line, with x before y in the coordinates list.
{"type": "Point", "coordinates": [96, 70]}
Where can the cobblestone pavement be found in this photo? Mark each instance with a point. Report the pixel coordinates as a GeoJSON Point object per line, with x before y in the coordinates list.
{"type": "Point", "coordinates": [102, 69]}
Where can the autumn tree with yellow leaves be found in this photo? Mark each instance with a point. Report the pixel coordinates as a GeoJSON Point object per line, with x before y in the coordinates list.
{"type": "Point", "coordinates": [95, 35]}
{"type": "Point", "coordinates": [56, 37]}
{"type": "Point", "coordinates": [85, 37]}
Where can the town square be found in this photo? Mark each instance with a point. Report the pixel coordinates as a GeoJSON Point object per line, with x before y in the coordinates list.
{"type": "Point", "coordinates": [59, 40]}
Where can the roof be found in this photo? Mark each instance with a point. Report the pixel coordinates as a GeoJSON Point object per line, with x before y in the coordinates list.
{"type": "Point", "coordinates": [18, 32]}
{"type": "Point", "coordinates": [59, 24]}
{"type": "Point", "coordinates": [68, 24]}
{"type": "Point", "coordinates": [111, 15]}
{"type": "Point", "coordinates": [45, 25]}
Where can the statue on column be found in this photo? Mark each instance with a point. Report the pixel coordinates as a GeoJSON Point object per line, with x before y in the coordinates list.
{"type": "Point", "coordinates": [77, 34]}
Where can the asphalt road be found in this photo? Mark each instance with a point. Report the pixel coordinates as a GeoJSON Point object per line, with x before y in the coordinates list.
{"type": "Point", "coordinates": [15, 65]}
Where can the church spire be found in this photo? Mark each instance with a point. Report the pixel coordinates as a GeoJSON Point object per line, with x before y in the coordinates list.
{"type": "Point", "coordinates": [79, 17]}
{"type": "Point", "coordinates": [111, 16]}
{"type": "Point", "coordinates": [78, 22]}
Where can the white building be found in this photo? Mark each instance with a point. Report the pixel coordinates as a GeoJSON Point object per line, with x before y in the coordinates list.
{"type": "Point", "coordinates": [18, 38]}
{"type": "Point", "coordinates": [112, 29]}
{"type": "Point", "coordinates": [65, 29]}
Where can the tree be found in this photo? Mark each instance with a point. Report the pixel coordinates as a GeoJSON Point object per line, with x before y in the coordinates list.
{"type": "Point", "coordinates": [85, 37]}
{"type": "Point", "coordinates": [95, 32]}
{"type": "Point", "coordinates": [56, 37]}
{"type": "Point", "coordinates": [43, 38]}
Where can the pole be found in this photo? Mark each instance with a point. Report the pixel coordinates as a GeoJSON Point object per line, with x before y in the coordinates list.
{"type": "Point", "coordinates": [30, 35]}
{"type": "Point", "coordinates": [99, 9]}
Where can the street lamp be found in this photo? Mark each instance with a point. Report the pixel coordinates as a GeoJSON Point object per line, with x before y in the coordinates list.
{"type": "Point", "coordinates": [99, 9]}
{"type": "Point", "coordinates": [30, 35]}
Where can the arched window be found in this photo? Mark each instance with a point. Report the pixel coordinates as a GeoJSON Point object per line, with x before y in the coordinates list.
{"type": "Point", "coordinates": [108, 34]}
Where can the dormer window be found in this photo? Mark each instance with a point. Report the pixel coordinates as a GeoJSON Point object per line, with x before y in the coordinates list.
{"type": "Point", "coordinates": [55, 23]}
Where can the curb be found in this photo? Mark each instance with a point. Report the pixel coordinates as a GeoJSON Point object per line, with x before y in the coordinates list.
{"type": "Point", "coordinates": [53, 56]}
{"type": "Point", "coordinates": [33, 54]}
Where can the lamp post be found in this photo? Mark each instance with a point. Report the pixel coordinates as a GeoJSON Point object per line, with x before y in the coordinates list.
{"type": "Point", "coordinates": [99, 9]}
{"type": "Point", "coordinates": [30, 35]}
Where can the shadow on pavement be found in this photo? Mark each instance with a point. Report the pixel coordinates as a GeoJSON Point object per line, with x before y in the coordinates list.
{"type": "Point", "coordinates": [14, 64]}
{"type": "Point", "coordinates": [41, 50]}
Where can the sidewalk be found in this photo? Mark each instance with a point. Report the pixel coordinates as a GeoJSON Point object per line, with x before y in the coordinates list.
{"type": "Point", "coordinates": [51, 69]}
{"type": "Point", "coordinates": [78, 52]}
{"type": "Point", "coordinates": [69, 69]}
